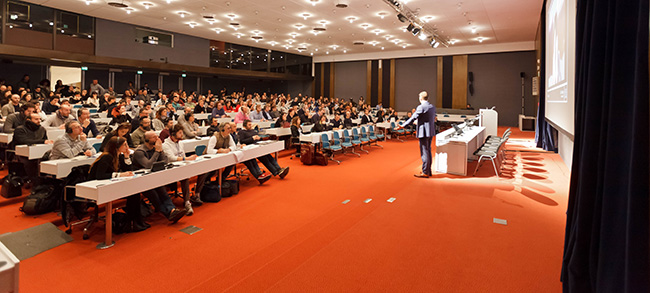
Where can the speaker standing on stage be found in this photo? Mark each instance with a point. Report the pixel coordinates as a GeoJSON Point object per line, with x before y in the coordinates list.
{"type": "Point", "coordinates": [426, 128]}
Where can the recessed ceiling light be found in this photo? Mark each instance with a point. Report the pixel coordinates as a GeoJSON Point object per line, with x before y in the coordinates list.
{"type": "Point", "coordinates": [345, 51]}
{"type": "Point", "coordinates": [299, 26]}
{"type": "Point", "coordinates": [129, 10]}
{"type": "Point", "coordinates": [305, 15]}
{"type": "Point", "coordinates": [218, 30]}
{"type": "Point", "coordinates": [145, 4]}
{"type": "Point", "coordinates": [311, 54]}
{"type": "Point", "coordinates": [365, 25]}
{"type": "Point", "coordinates": [273, 43]}
{"type": "Point", "coordinates": [323, 22]}
{"type": "Point", "coordinates": [231, 16]}
{"type": "Point", "coordinates": [377, 31]}
{"type": "Point", "coordinates": [192, 24]}
{"type": "Point", "coordinates": [428, 18]}
{"type": "Point", "coordinates": [294, 34]}
{"type": "Point", "coordinates": [313, 2]}
{"type": "Point", "coordinates": [388, 37]}
{"type": "Point", "coordinates": [382, 48]}
{"type": "Point", "coordinates": [351, 19]}
{"type": "Point", "coordinates": [473, 30]}
{"type": "Point", "coordinates": [183, 14]}
{"type": "Point", "coordinates": [382, 14]}
{"type": "Point", "coordinates": [88, 2]}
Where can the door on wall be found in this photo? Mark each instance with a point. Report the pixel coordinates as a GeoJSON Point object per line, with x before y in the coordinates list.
{"type": "Point", "coordinates": [67, 75]}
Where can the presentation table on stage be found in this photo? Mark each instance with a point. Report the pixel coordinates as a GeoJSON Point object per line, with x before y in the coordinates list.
{"type": "Point", "coordinates": [37, 151]}
{"type": "Point", "coordinates": [453, 151]}
{"type": "Point", "coordinates": [109, 190]}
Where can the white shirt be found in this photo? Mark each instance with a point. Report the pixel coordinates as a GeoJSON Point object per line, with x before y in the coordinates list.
{"type": "Point", "coordinates": [213, 141]}
{"type": "Point", "coordinates": [173, 150]}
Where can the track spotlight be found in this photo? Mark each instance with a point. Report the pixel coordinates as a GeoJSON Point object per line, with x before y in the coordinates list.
{"type": "Point", "coordinates": [410, 27]}
{"type": "Point", "coordinates": [416, 31]}
{"type": "Point", "coordinates": [402, 18]}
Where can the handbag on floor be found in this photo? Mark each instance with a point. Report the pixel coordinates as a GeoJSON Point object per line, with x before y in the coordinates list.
{"type": "Point", "coordinates": [307, 154]}
{"type": "Point", "coordinates": [12, 186]}
{"type": "Point", "coordinates": [320, 159]}
{"type": "Point", "coordinates": [229, 188]}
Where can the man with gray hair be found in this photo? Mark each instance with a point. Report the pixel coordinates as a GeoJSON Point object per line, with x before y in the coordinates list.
{"type": "Point", "coordinates": [72, 143]}
{"type": "Point", "coordinates": [426, 130]}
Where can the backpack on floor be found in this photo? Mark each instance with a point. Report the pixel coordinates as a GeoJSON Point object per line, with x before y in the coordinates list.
{"type": "Point", "coordinates": [12, 186]}
{"type": "Point", "coordinates": [307, 154]}
{"type": "Point", "coordinates": [210, 192]}
{"type": "Point", "coordinates": [43, 199]}
{"type": "Point", "coordinates": [229, 188]}
{"type": "Point", "coordinates": [320, 159]}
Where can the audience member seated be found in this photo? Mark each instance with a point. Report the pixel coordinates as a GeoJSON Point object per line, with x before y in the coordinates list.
{"type": "Point", "coordinates": [295, 134]}
{"type": "Point", "coordinates": [145, 155]}
{"type": "Point", "coordinates": [214, 127]}
{"type": "Point", "coordinates": [257, 115]}
{"type": "Point", "coordinates": [60, 117]}
{"type": "Point", "coordinates": [51, 106]}
{"type": "Point", "coordinates": [283, 121]}
{"type": "Point", "coordinates": [12, 107]}
{"type": "Point", "coordinates": [249, 135]}
{"type": "Point", "coordinates": [181, 118]}
{"type": "Point", "coordinates": [92, 101]}
{"type": "Point", "coordinates": [137, 136]}
{"type": "Point", "coordinates": [142, 113]}
{"type": "Point", "coordinates": [121, 131]}
{"type": "Point", "coordinates": [30, 133]}
{"type": "Point", "coordinates": [219, 111]}
{"type": "Point", "coordinates": [242, 115]}
{"type": "Point", "coordinates": [190, 128]}
{"type": "Point", "coordinates": [158, 124]}
{"type": "Point", "coordinates": [88, 125]}
{"type": "Point", "coordinates": [119, 115]}
{"type": "Point", "coordinates": [347, 122]}
{"type": "Point", "coordinates": [169, 125]}
{"type": "Point", "coordinates": [72, 143]}
{"type": "Point", "coordinates": [107, 103]}
{"type": "Point", "coordinates": [17, 119]}
{"type": "Point", "coordinates": [114, 162]}
{"type": "Point", "coordinates": [200, 107]}
{"type": "Point", "coordinates": [174, 151]}
{"type": "Point", "coordinates": [366, 118]}
{"type": "Point", "coordinates": [96, 87]}
{"type": "Point", "coordinates": [321, 125]}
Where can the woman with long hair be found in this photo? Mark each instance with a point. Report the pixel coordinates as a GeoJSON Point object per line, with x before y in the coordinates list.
{"type": "Point", "coordinates": [121, 131]}
{"type": "Point", "coordinates": [114, 162]}
{"type": "Point", "coordinates": [158, 122]}
{"type": "Point", "coordinates": [295, 134]}
{"type": "Point", "coordinates": [119, 115]}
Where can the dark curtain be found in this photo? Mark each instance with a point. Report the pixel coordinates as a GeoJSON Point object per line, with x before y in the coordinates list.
{"type": "Point", "coordinates": [606, 242]}
{"type": "Point", "coordinates": [544, 133]}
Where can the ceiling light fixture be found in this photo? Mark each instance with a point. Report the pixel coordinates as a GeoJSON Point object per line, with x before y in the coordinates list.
{"type": "Point", "coordinates": [473, 30]}
{"type": "Point", "coordinates": [147, 5]}
{"type": "Point", "coordinates": [182, 14]}
{"type": "Point", "coordinates": [365, 25]}
{"type": "Point", "coordinates": [299, 26]}
{"type": "Point", "coordinates": [417, 24]}
{"type": "Point", "coordinates": [382, 14]}
{"type": "Point", "coordinates": [422, 37]}
{"type": "Point", "coordinates": [129, 10]}
{"type": "Point", "coordinates": [428, 18]}
{"type": "Point", "coordinates": [305, 15]}
{"type": "Point", "coordinates": [351, 19]}
{"type": "Point", "coordinates": [377, 31]}
{"type": "Point", "coordinates": [313, 2]}
{"type": "Point", "coordinates": [293, 35]}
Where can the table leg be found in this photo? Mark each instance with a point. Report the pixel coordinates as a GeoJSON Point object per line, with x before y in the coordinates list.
{"type": "Point", "coordinates": [219, 176]}
{"type": "Point", "coordinates": [108, 242]}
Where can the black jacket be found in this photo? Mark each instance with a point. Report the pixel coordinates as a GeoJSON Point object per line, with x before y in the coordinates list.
{"type": "Point", "coordinates": [111, 134]}
{"type": "Point", "coordinates": [103, 167]}
{"type": "Point", "coordinates": [211, 130]}
{"type": "Point", "coordinates": [30, 133]}
{"type": "Point", "coordinates": [246, 136]}
{"type": "Point", "coordinates": [365, 119]}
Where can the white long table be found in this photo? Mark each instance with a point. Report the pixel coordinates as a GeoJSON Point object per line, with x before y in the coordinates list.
{"type": "Point", "coordinates": [109, 190]}
{"type": "Point", "coordinates": [190, 144]}
{"type": "Point", "coordinates": [278, 131]}
{"type": "Point", "coordinates": [62, 167]}
{"type": "Point", "coordinates": [6, 137]}
{"type": "Point", "coordinates": [453, 152]}
{"type": "Point", "coordinates": [37, 151]}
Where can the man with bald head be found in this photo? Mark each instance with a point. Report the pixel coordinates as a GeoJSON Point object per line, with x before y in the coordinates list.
{"type": "Point", "coordinates": [60, 117]}
{"type": "Point", "coordinates": [12, 107]}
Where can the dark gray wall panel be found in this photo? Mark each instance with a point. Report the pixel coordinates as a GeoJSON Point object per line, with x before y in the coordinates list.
{"type": "Point", "coordinates": [413, 75]}
{"type": "Point", "coordinates": [115, 39]}
{"type": "Point", "coordinates": [350, 80]}
{"type": "Point", "coordinates": [295, 87]}
{"type": "Point", "coordinates": [497, 82]}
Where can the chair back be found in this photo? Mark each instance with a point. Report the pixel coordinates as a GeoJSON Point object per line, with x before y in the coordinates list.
{"type": "Point", "coordinates": [346, 135]}
{"type": "Point", "coordinates": [336, 139]}
{"type": "Point", "coordinates": [96, 146]}
{"type": "Point", "coordinates": [355, 134]}
{"type": "Point", "coordinates": [92, 111]}
{"type": "Point", "coordinates": [199, 150]}
{"type": "Point", "coordinates": [363, 132]}
{"type": "Point", "coordinates": [325, 140]}
{"type": "Point", "coordinates": [392, 125]}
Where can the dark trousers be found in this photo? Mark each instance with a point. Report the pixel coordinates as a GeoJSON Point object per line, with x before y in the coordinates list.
{"type": "Point", "coordinates": [425, 153]}
{"type": "Point", "coordinates": [253, 167]}
{"type": "Point", "coordinates": [185, 188]}
{"type": "Point", "coordinates": [31, 167]}
{"type": "Point", "coordinates": [160, 200]}
{"type": "Point", "coordinates": [270, 163]}
{"type": "Point", "coordinates": [200, 180]}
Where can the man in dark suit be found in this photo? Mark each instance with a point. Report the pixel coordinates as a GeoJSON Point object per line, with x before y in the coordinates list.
{"type": "Point", "coordinates": [426, 128]}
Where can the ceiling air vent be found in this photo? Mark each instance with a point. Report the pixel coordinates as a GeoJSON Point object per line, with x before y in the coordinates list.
{"type": "Point", "coordinates": [358, 43]}
{"type": "Point", "coordinates": [118, 4]}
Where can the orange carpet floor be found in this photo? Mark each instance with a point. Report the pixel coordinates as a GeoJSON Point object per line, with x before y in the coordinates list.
{"type": "Point", "coordinates": [296, 235]}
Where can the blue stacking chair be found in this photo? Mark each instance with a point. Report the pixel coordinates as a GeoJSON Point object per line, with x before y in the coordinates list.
{"type": "Point", "coordinates": [373, 136]}
{"type": "Point", "coordinates": [331, 148]}
{"type": "Point", "coordinates": [199, 150]}
{"type": "Point", "coordinates": [380, 136]}
{"type": "Point", "coordinates": [396, 132]}
{"type": "Point", "coordinates": [364, 137]}
{"type": "Point", "coordinates": [346, 144]}
{"type": "Point", "coordinates": [357, 140]}
{"type": "Point", "coordinates": [92, 111]}
{"type": "Point", "coordinates": [77, 106]}
{"type": "Point", "coordinates": [96, 146]}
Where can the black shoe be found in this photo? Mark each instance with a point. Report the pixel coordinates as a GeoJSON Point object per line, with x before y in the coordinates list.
{"type": "Point", "coordinates": [283, 172]}
{"type": "Point", "coordinates": [263, 178]}
{"type": "Point", "coordinates": [196, 201]}
{"type": "Point", "coordinates": [175, 215]}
